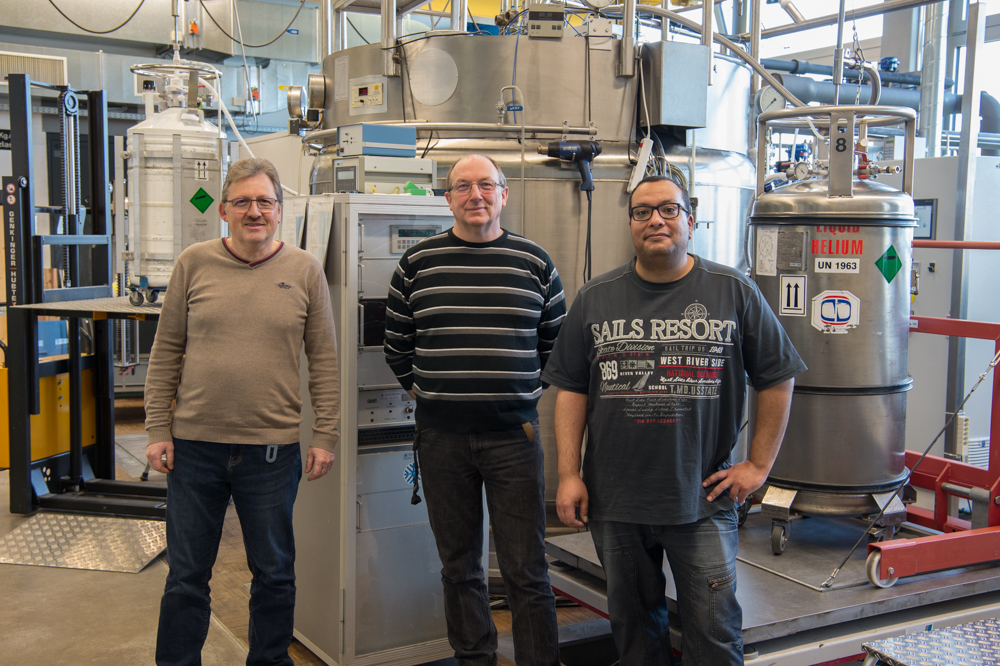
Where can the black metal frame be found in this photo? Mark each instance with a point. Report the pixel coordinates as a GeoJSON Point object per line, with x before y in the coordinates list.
{"type": "Point", "coordinates": [66, 489]}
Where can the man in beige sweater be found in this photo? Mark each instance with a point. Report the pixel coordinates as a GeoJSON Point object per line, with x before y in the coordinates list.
{"type": "Point", "coordinates": [236, 315]}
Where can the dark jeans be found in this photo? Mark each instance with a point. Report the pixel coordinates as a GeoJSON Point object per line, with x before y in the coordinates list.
{"type": "Point", "coordinates": [205, 474]}
{"type": "Point", "coordinates": [454, 467]}
{"type": "Point", "coordinates": [702, 557]}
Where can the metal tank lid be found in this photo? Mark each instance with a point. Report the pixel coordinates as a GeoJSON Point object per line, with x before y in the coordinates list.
{"type": "Point", "coordinates": [808, 198]}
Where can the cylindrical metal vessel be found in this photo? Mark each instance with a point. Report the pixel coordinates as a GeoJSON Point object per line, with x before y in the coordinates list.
{"type": "Point", "coordinates": [459, 79]}
{"type": "Point", "coordinates": [836, 271]}
{"type": "Point", "coordinates": [175, 179]}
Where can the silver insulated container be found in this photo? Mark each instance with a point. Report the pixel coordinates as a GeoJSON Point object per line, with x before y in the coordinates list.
{"type": "Point", "coordinates": [836, 271]}
{"type": "Point", "coordinates": [832, 255]}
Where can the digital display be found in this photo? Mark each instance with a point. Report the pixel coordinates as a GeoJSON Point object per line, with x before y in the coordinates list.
{"type": "Point", "coordinates": [926, 211]}
{"type": "Point", "coordinates": [415, 233]}
{"type": "Point", "coordinates": [363, 91]}
{"type": "Point", "coordinates": [546, 16]}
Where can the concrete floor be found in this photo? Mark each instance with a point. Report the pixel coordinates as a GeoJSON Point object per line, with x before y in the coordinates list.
{"type": "Point", "coordinates": [68, 616]}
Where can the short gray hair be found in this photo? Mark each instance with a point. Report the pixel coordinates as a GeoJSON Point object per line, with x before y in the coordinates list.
{"type": "Point", "coordinates": [249, 168]}
{"type": "Point", "coordinates": [503, 178]}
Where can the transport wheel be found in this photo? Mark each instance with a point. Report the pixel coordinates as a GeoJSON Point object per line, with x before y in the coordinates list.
{"type": "Point", "coordinates": [872, 567]}
{"type": "Point", "coordinates": [779, 536]}
{"type": "Point", "coordinates": [135, 298]}
{"type": "Point", "coordinates": [744, 511]}
{"type": "Point", "coordinates": [151, 296]}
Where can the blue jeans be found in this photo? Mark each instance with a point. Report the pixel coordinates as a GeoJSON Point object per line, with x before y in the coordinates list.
{"type": "Point", "coordinates": [702, 557]}
{"type": "Point", "coordinates": [205, 474]}
{"type": "Point", "coordinates": [454, 467]}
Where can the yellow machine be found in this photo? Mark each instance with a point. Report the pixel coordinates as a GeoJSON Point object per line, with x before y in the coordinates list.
{"type": "Point", "coordinates": [49, 428]}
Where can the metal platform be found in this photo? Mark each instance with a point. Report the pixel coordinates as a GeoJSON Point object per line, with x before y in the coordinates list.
{"type": "Point", "coordinates": [118, 307]}
{"type": "Point", "coordinates": [75, 541]}
{"type": "Point", "coordinates": [974, 644]}
{"type": "Point", "coordinates": [781, 595]}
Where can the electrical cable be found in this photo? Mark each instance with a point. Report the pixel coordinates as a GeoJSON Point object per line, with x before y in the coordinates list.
{"type": "Point", "coordinates": [232, 124]}
{"type": "Point", "coordinates": [895, 494]}
{"type": "Point", "coordinates": [351, 23]}
{"type": "Point", "coordinates": [587, 259]}
{"type": "Point", "coordinates": [99, 32]}
{"type": "Point", "coordinates": [246, 71]}
{"type": "Point", "coordinates": [240, 42]}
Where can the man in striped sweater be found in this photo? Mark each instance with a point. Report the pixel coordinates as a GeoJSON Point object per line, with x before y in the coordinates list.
{"type": "Point", "coordinates": [472, 316]}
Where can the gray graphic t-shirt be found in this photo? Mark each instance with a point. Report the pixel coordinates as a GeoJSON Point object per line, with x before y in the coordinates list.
{"type": "Point", "coordinates": [665, 367]}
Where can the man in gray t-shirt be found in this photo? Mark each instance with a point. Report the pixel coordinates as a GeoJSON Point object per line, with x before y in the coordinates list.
{"type": "Point", "coordinates": [653, 360]}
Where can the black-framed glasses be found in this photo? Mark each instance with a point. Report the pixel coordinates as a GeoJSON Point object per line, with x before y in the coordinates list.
{"type": "Point", "coordinates": [264, 205]}
{"type": "Point", "coordinates": [485, 186]}
{"type": "Point", "coordinates": [667, 211]}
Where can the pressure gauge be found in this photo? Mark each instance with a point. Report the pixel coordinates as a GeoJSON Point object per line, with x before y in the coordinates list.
{"type": "Point", "coordinates": [769, 99]}
{"type": "Point", "coordinates": [800, 171]}
{"type": "Point", "coordinates": [597, 4]}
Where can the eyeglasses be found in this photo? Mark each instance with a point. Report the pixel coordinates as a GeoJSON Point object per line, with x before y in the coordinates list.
{"type": "Point", "coordinates": [667, 211]}
{"type": "Point", "coordinates": [485, 187]}
{"type": "Point", "coordinates": [263, 205]}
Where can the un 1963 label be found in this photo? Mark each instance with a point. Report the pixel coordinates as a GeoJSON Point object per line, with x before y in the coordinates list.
{"type": "Point", "coordinates": [837, 265]}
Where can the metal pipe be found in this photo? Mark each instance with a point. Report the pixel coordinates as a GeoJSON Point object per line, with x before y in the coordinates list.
{"type": "Point", "coordinates": [755, 45]}
{"type": "Point", "coordinates": [932, 77]}
{"type": "Point", "coordinates": [459, 9]}
{"type": "Point", "coordinates": [706, 34]}
{"type": "Point", "coordinates": [956, 245]}
{"type": "Point", "coordinates": [330, 135]}
{"type": "Point", "coordinates": [838, 55]}
{"type": "Point", "coordinates": [810, 90]}
{"type": "Point", "coordinates": [664, 23]}
{"type": "Point", "coordinates": [861, 12]}
{"type": "Point", "coordinates": [626, 67]}
{"type": "Point", "coordinates": [967, 161]}
{"type": "Point", "coordinates": [792, 11]}
{"type": "Point", "coordinates": [325, 29]}
{"type": "Point", "coordinates": [339, 36]}
{"type": "Point", "coordinates": [850, 75]}
{"type": "Point", "coordinates": [388, 37]}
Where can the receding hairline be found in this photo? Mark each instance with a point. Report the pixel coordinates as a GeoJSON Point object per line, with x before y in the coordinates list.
{"type": "Point", "coordinates": [667, 181]}
{"type": "Point", "coordinates": [496, 167]}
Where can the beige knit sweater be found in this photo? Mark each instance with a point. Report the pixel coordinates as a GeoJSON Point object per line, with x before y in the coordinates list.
{"type": "Point", "coordinates": [238, 329]}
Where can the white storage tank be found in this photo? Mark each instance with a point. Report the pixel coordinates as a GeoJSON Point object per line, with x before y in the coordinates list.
{"type": "Point", "coordinates": [175, 174]}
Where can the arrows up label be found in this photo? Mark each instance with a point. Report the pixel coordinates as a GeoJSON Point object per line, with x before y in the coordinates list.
{"type": "Point", "coordinates": [793, 296]}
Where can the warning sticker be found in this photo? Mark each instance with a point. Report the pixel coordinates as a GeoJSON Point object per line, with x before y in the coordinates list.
{"type": "Point", "coordinates": [793, 296]}
{"type": "Point", "coordinates": [835, 265]}
{"type": "Point", "coordinates": [889, 264]}
{"type": "Point", "coordinates": [835, 311]}
{"type": "Point", "coordinates": [202, 200]}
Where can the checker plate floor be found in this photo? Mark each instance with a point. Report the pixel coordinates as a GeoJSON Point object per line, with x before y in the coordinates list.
{"type": "Point", "coordinates": [75, 541]}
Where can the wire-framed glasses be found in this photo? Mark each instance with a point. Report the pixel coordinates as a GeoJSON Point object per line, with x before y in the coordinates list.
{"type": "Point", "coordinates": [264, 205]}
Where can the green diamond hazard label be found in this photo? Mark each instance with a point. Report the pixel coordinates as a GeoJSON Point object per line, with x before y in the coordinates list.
{"type": "Point", "coordinates": [202, 200]}
{"type": "Point", "coordinates": [889, 264]}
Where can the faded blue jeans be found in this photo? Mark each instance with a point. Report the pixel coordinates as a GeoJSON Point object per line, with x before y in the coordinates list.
{"type": "Point", "coordinates": [198, 489]}
{"type": "Point", "coordinates": [702, 557]}
{"type": "Point", "coordinates": [454, 467]}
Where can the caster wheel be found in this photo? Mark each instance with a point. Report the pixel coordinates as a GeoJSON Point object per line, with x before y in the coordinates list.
{"type": "Point", "coordinates": [135, 298]}
{"type": "Point", "coordinates": [871, 567]}
{"type": "Point", "coordinates": [779, 537]}
{"type": "Point", "coordinates": [744, 511]}
{"type": "Point", "coordinates": [151, 296]}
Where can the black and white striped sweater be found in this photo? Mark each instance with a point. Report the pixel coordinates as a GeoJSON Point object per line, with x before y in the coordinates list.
{"type": "Point", "coordinates": [469, 327]}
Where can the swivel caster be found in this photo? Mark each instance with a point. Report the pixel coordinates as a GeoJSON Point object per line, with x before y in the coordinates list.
{"type": "Point", "coordinates": [779, 537]}
{"type": "Point", "coordinates": [135, 298]}
{"type": "Point", "coordinates": [871, 566]}
{"type": "Point", "coordinates": [151, 296]}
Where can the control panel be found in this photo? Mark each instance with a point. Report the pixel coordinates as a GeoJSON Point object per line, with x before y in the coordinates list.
{"type": "Point", "coordinates": [388, 407]}
{"type": "Point", "coordinates": [402, 238]}
{"type": "Point", "coordinates": [368, 95]}
{"type": "Point", "coordinates": [546, 19]}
